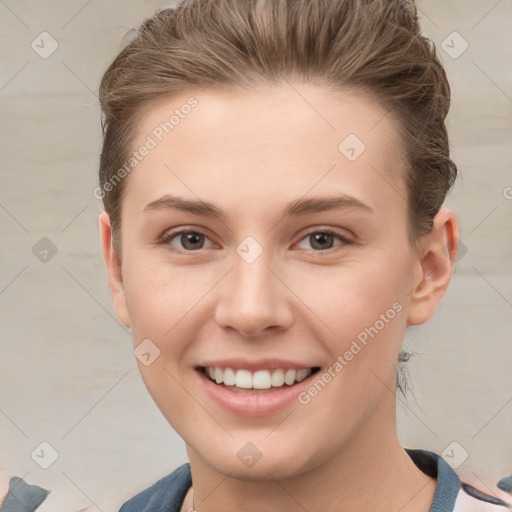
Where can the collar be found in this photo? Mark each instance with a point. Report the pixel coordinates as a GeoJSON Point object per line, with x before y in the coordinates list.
{"type": "Point", "coordinates": [448, 483]}
{"type": "Point", "coordinates": [167, 494]}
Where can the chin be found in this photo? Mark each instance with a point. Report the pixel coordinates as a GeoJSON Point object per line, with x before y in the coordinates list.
{"type": "Point", "coordinates": [263, 461]}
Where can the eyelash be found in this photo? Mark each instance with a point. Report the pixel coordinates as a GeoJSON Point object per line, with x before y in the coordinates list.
{"type": "Point", "coordinates": [167, 237]}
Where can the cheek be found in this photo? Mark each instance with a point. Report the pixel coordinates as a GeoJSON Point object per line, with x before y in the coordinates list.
{"type": "Point", "coordinates": [345, 298]}
{"type": "Point", "coordinates": [364, 307]}
{"type": "Point", "coordinates": [349, 297]}
{"type": "Point", "coordinates": [360, 311]}
{"type": "Point", "coordinates": [162, 301]}
{"type": "Point", "coordinates": [158, 296]}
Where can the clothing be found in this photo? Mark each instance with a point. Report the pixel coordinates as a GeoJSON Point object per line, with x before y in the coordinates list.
{"type": "Point", "coordinates": [23, 497]}
{"type": "Point", "coordinates": [167, 494]}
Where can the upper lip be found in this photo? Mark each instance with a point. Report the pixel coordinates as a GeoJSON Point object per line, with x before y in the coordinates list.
{"type": "Point", "coordinates": [262, 364]}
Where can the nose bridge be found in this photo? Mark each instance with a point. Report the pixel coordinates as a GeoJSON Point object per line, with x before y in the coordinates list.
{"type": "Point", "coordinates": [253, 278]}
{"type": "Point", "coordinates": [253, 298]}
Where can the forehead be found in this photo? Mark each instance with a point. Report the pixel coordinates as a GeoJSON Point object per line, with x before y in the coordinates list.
{"type": "Point", "coordinates": [288, 137]}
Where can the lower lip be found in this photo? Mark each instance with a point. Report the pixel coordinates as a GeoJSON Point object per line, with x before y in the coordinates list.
{"type": "Point", "coordinates": [257, 404]}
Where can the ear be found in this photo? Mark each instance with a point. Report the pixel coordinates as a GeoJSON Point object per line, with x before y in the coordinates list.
{"type": "Point", "coordinates": [114, 270]}
{"type": "Point", "coordinates": [437, 260]}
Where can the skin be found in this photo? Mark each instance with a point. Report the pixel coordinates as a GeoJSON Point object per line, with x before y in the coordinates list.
{"type": "Point", "coordinates": [251, 153]}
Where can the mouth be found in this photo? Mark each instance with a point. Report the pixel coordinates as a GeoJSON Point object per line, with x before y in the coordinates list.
{"type": "Point", "coordinates": [256, 382]}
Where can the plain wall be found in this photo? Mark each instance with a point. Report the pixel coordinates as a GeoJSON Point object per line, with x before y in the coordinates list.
{"type": "Point", "coordinates": [67, 370]}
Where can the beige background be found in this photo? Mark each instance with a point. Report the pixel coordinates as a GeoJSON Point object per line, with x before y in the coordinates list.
{"type": "Point", "coordinates": [68, 375]}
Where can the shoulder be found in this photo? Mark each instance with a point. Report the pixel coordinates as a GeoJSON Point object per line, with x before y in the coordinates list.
{"type": "Point", "coordinates": [451, 494]}
{"type": "Point", "coordinates": [166, 495]}
{"type": "Point", "coordinates": [471, 499]}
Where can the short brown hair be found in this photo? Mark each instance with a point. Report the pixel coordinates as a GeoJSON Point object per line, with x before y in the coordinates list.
{"type": "Point", "coordinates": [371, 46]}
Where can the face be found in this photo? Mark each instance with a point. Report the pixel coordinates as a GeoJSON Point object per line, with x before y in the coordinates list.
{"type": "Point", "coordinates": [257, 236]}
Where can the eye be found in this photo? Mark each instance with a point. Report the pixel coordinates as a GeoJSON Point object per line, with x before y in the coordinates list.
{"type": "Point", "coordinates": [189, 240]}
{"type": "Point", "coordinates": [323, 240]}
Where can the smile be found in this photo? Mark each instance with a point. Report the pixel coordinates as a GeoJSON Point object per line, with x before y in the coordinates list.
{"type": "Point", "coordinates": [243, 379]}
{"type": "Point", "coordinates": [254, 393]}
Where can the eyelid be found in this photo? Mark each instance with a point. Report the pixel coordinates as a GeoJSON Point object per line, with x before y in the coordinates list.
{"type": "Point", "coordinates": [167, 236]}
{"type": "Point", "coordinates": [345, 239]}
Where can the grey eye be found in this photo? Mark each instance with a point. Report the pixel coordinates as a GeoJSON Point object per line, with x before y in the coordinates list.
{"type": "Point", "coordinates": [191, 240]}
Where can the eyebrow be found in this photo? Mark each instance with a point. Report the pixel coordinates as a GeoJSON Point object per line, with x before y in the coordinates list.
{"type": "Point", "coordinates": [293, 209]}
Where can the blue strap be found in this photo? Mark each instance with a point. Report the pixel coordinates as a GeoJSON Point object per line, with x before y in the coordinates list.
{"type": "Point", "coordinates": [448, 483]}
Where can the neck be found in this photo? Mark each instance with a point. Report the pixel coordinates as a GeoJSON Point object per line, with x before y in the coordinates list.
{"type": "Point", "coordinates": [373, 473]}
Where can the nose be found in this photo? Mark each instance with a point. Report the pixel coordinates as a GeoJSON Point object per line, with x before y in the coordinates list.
{"type": "Point", "coordinates": [254, 300]}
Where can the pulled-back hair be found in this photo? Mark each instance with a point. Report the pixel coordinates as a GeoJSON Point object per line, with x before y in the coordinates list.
{"type": "Point", "coordinates": [370, 46]}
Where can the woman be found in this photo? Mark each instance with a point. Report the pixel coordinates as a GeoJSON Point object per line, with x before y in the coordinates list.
{"type": "Point", "coordinates": [273, 174]}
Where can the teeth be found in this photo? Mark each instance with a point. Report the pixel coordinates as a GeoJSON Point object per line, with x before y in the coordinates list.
{"type": "Point", "coordinates": [277, 378]}
{"type": "Point", "coordinates": [260, 379]}
{"type": "Point", "coordinates": [229, 377]}
{"type": "Point", "coordinates": [243, 379]}
{"type": "Point", "coordinates": [289, 377]}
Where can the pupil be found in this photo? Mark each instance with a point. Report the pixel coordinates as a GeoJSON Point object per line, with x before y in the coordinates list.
{"type": "Point", "coordinates": [188, 240]}
{"type": "Point", "coordinates": [322, 237]}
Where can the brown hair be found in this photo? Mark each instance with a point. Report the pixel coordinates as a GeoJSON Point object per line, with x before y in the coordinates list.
{"type": "Point", "coordinates": [371, 46]}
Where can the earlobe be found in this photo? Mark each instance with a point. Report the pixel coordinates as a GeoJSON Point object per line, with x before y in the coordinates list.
{"type": "Point", "coordinates": [114, 270]}
{"type": "Point", "coordinates": [437, 260]}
